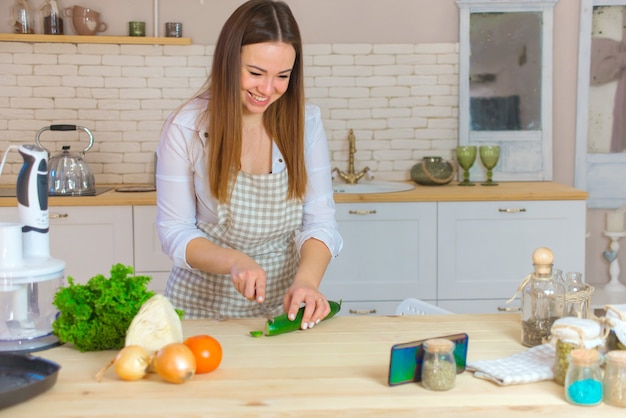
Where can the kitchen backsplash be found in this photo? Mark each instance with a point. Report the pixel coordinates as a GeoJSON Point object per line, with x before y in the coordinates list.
{"type": "Point", "coordinates": [400, 99]}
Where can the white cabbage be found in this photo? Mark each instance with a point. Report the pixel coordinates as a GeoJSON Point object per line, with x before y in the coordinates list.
{"type": "Point", "coordinates": [155, 325]}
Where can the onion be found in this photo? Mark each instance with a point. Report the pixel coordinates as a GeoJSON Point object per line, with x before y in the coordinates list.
{"type": "Point", "coordinates": [131, 363]}
{"type": "Point", "coordinates": [175, 363]}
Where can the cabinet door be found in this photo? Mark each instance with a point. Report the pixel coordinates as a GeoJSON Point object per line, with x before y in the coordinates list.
{"type": "Point", "coordinates": [149, 259]}
{"type": "Point", "coordinates": [89, 239]}
{"type": "Point", "coordinates": [389, 254]}
{"type": "Point", "coordinates": [485, 248]}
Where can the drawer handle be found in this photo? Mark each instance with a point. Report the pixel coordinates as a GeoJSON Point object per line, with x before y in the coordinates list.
{"type": "Point", "coordinates": [362, 311]}
{"type": "Point", "coordinates": [58, 215]}
{"type": "Point", "coordinates": [508, 309]}
{"type": "Point", "coordinates": [512, 210]}
{"type": "Point", "coordinates": [362, 212]}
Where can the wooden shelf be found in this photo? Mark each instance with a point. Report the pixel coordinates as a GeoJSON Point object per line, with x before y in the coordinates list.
{"type": "Point", "coordinates": [98, 39]}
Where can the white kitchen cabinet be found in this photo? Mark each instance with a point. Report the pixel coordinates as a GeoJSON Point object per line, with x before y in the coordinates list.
{"type": "Point", "coordinates": [389, 254]}
{"type": "Point", "coordinates": [149, 259]}
{"type": "Point", "coordinates": [485, 248]}
{"type": "Point", "coordinates": [90, 239]}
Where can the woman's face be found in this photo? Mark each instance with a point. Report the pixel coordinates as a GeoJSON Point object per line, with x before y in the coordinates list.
{"type": "Point", "coordinates": [265, 72]}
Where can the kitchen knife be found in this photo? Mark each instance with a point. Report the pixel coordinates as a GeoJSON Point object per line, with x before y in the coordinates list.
{"type": "Point", "coordinates": [267, 313]}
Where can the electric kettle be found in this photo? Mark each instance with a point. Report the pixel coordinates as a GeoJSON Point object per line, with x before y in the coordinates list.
{"type": "Point", "coordinates": [68, 173]}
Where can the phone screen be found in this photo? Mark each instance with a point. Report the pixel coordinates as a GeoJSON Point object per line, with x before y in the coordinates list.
{"type": "Point", "coordinates": [405, 363]}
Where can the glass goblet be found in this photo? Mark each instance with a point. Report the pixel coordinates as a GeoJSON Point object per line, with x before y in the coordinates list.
{"type": "Point", "coordinates": [466, 156]}
{"type": "Point", "coordinates": [489, 156]}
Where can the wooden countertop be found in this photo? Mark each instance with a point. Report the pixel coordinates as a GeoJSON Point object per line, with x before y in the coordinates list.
{"type": "Point", "coordinates": [339, 368]}
{"type": "Point", "coordinates": [506, 191]}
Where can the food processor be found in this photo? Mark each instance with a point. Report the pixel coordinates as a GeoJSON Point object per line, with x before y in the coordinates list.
{"type": "Point", "coordinates": [29, 276]}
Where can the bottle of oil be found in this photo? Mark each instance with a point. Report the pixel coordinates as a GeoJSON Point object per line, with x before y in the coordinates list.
{"type": "Point", "coordinates": [543, 300]}
{"type": "Point", "coordinates": [22, 17]}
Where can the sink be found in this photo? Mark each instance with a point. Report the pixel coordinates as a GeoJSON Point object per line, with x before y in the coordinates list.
{"type": "Point", "coordinates": [372, 187]}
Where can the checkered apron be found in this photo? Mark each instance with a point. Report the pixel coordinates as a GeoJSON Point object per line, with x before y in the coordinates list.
{"type": "Point", "coordinates": [259, 222]}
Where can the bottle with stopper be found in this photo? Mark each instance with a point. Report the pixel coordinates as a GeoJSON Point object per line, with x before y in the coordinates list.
{"type": "Point", "coordinates": [543, 299]}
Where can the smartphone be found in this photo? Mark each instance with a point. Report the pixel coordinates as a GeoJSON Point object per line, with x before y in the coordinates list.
{"type": "Point", "coordinates": [405, 363]}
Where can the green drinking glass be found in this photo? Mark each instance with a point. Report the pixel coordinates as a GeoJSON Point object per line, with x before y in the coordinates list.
{"type": "Point", "coordinates": [489, 156]}
{"type": "Point", "coordinates": [466, 156]}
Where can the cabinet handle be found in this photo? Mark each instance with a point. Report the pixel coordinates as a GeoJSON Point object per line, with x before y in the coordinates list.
{"type": "Point", "coordinates": [362, 311]}
{"type": "Point", "coordinates": [508, 309]}
{"type": "Point", "coordinates": [512, 210]}
{"type": "Point", "coordinates": [362, 212]}
{"type": "Point", "coordinates": [58, 215]}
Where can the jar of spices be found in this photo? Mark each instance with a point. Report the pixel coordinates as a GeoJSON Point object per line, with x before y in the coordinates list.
{"type": "Point", "coordinates": [615, 378]}
{"type": "Point", "coordinates": [543, 299]}
{"type": "Point", "coordinates": [439, 366]}
{"type": "Point", "coordinates": [52, 20]}
{"type": "Point", "coordinates": [583, 381]}
{"type": "Point", "coordinates": [569, 333]}
{"type": "Point", "coordinates": [615, 317]}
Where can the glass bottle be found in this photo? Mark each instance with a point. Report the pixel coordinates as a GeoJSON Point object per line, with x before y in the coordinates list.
{"type": "Point", "coordinates": [614, 387]}
{"type": "Point", "coordinates": [583, 382]}
{"type": "Point", "coordinates": [22, 17]}
{"type": "Point", "coordinates": [52, 20]}
{"type": "Point", "coordinates": [438, 366]}
{"type": "Point", "coordinates": [569, 333]}
{"type": "Point", "coordinates": [543, 300]}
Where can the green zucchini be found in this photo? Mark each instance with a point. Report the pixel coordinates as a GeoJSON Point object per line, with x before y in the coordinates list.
{"type": "Point", "coordinates": [282, 324]}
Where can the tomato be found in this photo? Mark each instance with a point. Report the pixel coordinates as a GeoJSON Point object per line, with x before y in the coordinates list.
{"type": "Point", "coordinates": [207, 351]}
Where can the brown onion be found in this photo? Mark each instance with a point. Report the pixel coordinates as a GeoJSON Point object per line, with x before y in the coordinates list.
{"type": "Point", "coordinates": [175, 363]}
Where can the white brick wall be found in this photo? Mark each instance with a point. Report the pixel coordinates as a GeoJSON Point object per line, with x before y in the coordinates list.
{"type": "Point", "coordinates": [400, 99]}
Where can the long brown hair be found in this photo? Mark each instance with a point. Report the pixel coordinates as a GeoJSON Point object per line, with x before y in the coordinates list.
{"type": "Point", "coordinates": [254, 22]}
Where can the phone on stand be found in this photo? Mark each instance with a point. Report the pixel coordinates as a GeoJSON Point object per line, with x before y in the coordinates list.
{"type": "Point", "coordinates": [405, 363]}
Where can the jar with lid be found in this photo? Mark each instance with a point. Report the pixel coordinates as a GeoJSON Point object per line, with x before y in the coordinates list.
{"type": "Point", "coordinates": [615, 378]}
{"type": "Point", "coordinates": [543, 299]}
{"type": "Point", "coordinates": [570, 333]}
{"type": "Point", "coordinates": [439, 365]}
{"type": "Point", "coordinates": [615, 317]}
{"type": "Point", "coordinates": [52, 20]}
{"type": "Point", "coordinates": [22, 17]}
{"type": "Point", "coordinates": [583, 381]}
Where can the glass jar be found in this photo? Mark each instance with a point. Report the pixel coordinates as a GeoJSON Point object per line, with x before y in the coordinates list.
{"type": "Point", "coordinates": [569, 333]}
{"type": "Point", "coordinates": [543, 300]}
{"type": "Point", "coordinates": [583, 381]}
{"type": "Point", "coordinates": [22, 17]}
{"type": "Point", "coordinates": [578, 298]}
{"type": "Point", "coordinates": [615, 317]}
{"type": "Point", "coordinates": [438, 366]}
{"type": "Point", "coordinates": [615, 378]}
{"type": "Point", "coordinates": [52, 20]}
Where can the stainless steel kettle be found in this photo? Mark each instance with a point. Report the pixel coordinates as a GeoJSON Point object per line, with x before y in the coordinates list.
{"type": "Point", "coordinates": [68, 173]}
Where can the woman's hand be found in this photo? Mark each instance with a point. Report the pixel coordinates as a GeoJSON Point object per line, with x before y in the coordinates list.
{"type": "Point", "coordinates": [316, 306]}
{"type": "Point", "coordinates": [248, 278]}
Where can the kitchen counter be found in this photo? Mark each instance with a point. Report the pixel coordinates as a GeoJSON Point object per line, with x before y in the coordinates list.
{"type": "Point", "coordinates": [447, 193]}
{"type": "Point", "coordinates": [339, 368]}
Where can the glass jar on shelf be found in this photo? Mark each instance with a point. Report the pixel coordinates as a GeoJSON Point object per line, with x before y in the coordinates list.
{"type": "Point", "coordinates": [569, 333]}
{"type": "Point", "coordinates": [543, 299]}
{"type": "Point", "coordinates": [22, 17]}
{"type": "Point", "coordinates": [52, 20]}
{"type": "Point", "coordinates": [439, 365]}
{"type": "Point", "coordinates": [583, 381]}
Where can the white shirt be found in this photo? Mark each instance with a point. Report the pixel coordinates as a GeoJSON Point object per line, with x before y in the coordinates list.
{"type": "Point", "coordinates": [183, 193]}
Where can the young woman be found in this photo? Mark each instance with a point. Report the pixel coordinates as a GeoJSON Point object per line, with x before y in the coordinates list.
{"type": "Point", "coordinates": [244, 194]}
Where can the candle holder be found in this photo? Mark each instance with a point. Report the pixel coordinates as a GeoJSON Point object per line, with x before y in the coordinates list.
{"type": "Point", "coordinates": [610, 255]}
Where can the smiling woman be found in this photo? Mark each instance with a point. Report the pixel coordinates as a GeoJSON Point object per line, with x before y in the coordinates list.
{"type": "Point", "coordinates": [245, 200]}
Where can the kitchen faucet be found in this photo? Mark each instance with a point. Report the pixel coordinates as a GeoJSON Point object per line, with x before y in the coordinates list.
{"type": "Point", "coordinates": [350, 176]}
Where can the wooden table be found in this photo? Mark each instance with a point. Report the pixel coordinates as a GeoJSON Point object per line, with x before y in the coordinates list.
{"type": "Point", "coordinates": [337, 369]}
